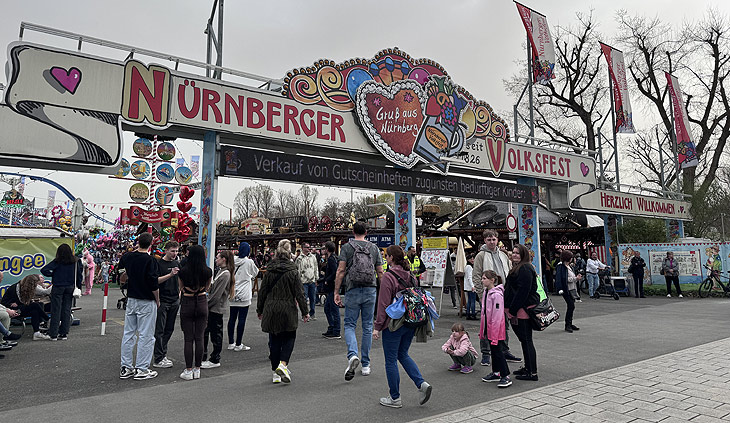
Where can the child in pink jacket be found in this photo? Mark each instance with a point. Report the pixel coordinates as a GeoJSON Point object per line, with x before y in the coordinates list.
{"type": "Point", "coordinates": [492, 328]}
{"type": "Point", "coordinates": [460, 349]}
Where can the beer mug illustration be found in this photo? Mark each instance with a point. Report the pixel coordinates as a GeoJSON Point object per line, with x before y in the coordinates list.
{"type": "Point", "coordinates": [441, 133]}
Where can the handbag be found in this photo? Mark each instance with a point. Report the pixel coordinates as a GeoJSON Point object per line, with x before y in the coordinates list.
{"type": "Point", "coordinates": [397, 309]}
{"type": "Point", "coordinates": [77, 290]}
{"type": "Point", "coordinates": [543, 315]}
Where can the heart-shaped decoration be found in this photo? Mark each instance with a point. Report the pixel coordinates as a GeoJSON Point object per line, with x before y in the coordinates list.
{"type": "Point", "coordinates": [69, 79]}
{"type": "Point", "coordinates": [584, 169]}
{"type": "Point", "coordinates": [186, 193]}
{"type": "Point", "coordinates": [184, 207]}
{"type": "Point", "coordinates": [392, 117]}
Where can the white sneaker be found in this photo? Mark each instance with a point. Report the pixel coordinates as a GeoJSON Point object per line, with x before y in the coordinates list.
{"type": "Point", "coordinates": [365, 370]}
{"type": "Point", "coordinates": [165, 363]}
{"type": "Point", "coordinates": [231, 346]}
{"type": "Point", "coordinates": [669, 295]}
{"type": "Point", "coordinates": [196, 373]}
{"type": "Point", "coordinates": [681, 296]}
{"type": "Point", "coordinates": [145, 374]}
{"type": "Point", "coordinates": [276, 378]}
{"type": "Point", "coordinates": [284, 373]}
{"type": "Point", "coordinates": [241, 348]}
{"type": "Point", "coordinates": [207, 364]}
{"type": "Point", "coordinates": [186, 374]}
{"type": "Point", "coordinates": [351, 367]}
{"type": "Point", "coordinates": [38, 336]}
{"type": "Point", "coordinates": [390, 402]}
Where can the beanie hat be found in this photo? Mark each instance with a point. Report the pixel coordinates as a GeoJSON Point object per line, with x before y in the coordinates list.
{"type": "Point", "coordinates": [244, 250]}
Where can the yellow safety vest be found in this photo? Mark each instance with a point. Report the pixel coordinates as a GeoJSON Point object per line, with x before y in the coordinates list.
{"type": "Point", "coordinates": [415, 265]}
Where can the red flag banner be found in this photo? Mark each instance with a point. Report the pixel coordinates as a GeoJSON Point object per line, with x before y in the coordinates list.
{"type": "Point", "coordinates": [541, 44]}
{"type": "Point", "coordinates": [621, 103]}
{"type": "Point", "coordinates": [686, 153]}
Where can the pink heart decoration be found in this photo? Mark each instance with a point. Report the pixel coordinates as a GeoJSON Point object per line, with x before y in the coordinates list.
{"type": "Point", "coordinates": [184, 207]}
{"type": "Point", "coordinates": [186, 193]}
{"type": "Point", "coordinates": [69, 79]}
{"type": "Point", "coordinates": [584, 169]}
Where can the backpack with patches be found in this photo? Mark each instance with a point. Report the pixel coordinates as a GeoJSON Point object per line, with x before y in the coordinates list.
{"type": "Point", "coordinates": [415, 302]}
{"type": "Point", "coordinates": [362, 270]}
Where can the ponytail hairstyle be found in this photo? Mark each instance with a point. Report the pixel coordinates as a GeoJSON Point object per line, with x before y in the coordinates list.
{"type": "Point", "coordinates": [459, 327]}
{"type": "Point", "coordinates": [399, 257]}
{"type": "Point", "coordinates": [491, 274]}
{"type": "Point", "coordinates": [230, 266]}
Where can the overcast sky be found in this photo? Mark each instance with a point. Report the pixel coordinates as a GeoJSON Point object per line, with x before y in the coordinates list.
{"type": "Point", "coordinates": [477, 41]}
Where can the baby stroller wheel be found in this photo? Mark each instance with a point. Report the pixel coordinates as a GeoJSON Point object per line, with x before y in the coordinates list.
{"type": "Point", "coordinates": [615, 296]}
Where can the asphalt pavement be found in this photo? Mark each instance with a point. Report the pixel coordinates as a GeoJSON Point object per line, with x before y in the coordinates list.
{"type": "Point", "coordinates": [77, 380]}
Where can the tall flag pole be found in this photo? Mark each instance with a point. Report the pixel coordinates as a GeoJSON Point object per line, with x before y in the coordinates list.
{"type": "Point", "coordinates": [686, 152]}
{"type": "Point", "coordinates": [624, 122]}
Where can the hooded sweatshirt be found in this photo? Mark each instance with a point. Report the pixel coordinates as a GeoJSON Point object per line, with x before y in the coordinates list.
{"type": "Point", "coordinates": [218, 295]}
{"type": "Point", "coordinates": [389, 286]}
{"type": "Point", "coordinates": [496, 261]}
{"type": "Point", "coordinates": [246, 271]}
{"type": "Point", "coordinates": [493, 319]}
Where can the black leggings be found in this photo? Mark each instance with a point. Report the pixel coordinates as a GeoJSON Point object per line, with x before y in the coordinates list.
{"type": "Point", "coordinates": [523, 330]}
{"type": "Point", "coordinates": [240, 313]}
{"type": "Point", "coordinates": [36, 313]}
{"type": "Point", "coordinates": [674, 279]}
{"type": "Point", "coordinates": [193, 320]}
{"type": "Point", "coordinates": [214, 330]}
{"type": "Point", "coordinates": [281, 346]}
{"type": "Point", "coordinates": [568, 297]}
{"type": "Point", "coordinates": [499, 363]}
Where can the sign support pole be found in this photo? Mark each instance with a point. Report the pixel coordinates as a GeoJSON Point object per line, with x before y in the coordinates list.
{"type": "Point", "coordinates": [528, 226]}
{"type": "Point", "coordinates": [209, 195]}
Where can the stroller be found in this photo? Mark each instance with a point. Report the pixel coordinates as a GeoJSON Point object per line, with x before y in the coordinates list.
{"type": "Point", "coordinates": [122, 302]}
{"type": "Point", "coordinates": [605, 285]}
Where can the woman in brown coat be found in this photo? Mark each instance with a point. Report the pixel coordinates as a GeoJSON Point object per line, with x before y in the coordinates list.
{"type": "Point", "coordinates": [280, 293]}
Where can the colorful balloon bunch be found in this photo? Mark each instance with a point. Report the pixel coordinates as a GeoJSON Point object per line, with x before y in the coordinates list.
{"type": "Point", "coordinates": [183, 225]}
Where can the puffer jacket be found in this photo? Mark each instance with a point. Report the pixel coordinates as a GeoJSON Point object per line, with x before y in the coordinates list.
{"type": "Point", "coordinates": [492, 326]}
{"type": "Point", "coordinates": [460, 346]}
{"type": "Point", "coordinates": [280, 292]}
{"type": "Point", "coordinates": [246, 270]}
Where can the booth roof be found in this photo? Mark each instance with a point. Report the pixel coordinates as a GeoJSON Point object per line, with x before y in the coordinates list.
{"type": "Point", "coordinates": [32, 232]}
{"type": "Point", "coordinates": [548, 220]}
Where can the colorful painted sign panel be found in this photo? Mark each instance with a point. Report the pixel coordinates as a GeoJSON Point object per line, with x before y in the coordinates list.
{"type": "Point", "coordinates": [686, 152]}
{"type": "Point", "coordinates": [20, 257]}
{"type": "Point", "coordinates": [692, 258]}
{"type": "Point", "coordinates": [134, 215]}
{"type": "Point", "coordinates": [541, 44]}
{"type": "Point", "coordinates": [581, 197]}
{"type": "Point", "coordinates": [12, 199]}
{"type": "Point", "coordinates": [621, 102]}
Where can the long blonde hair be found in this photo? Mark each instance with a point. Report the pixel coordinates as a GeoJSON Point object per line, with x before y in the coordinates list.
{"type": "Point", "coordinates": [27, 288]}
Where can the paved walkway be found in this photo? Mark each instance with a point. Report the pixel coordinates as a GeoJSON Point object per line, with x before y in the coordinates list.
{"type": "Point", "coordinates": [688, 385]}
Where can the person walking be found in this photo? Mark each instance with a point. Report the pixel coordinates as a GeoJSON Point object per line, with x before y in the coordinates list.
{"type": "Point", "coordinates": [397, 342]}
{"type": "Point", "coordinates": [246, 271]}
{"type": "Point", "coordinates": [360, 264]}
{"type": "Point", "coordinates": [280, 293]}
{"type": "Point", "coordinates": [66, 273]}
{"type": "Point", "coordinates": [670, 270]}
{"type": "Point", "coordinates": [331, 310]}
{"type": "Point", "coordinates": [490, 257]}
{"type": "Point", "coordinates": [194, 279]}
{"type": "Point", "coordinates": [169, 303]}
{"type": "Point", "coordinates": [593, 265]}
{"type": "Point", "coordinates": [636, 268]}
{"type": "Point", "coordinates": [520, 293]}
{"type": "Point", "coordinates": [143, 298]}
{"type": "Point", "coordinates": [223, 286]}
{"type": "Point", "coordinates": [565, 282]}
{"type": "Point", "coordinates": [308, 270]}
{"type": "Point", "coordinates": [493, 328]}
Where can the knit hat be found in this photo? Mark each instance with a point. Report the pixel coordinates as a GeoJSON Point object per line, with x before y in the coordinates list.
{"type": "Point", "coordinates": [244, 250]}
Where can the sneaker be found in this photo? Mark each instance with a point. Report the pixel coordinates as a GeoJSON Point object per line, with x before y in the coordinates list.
{"type": "Point", "coordinates": [511, 358]}
{"type": "Point", "coordinates": [196, 373]}
{"type": "Point", "coordinates": [145, 374]}
{"type": "Point", "coordinates": [312, 319]}
{"type": "Point", "coordinates": [126, 372]}
{"type": "Point", "coordinates": [578, 301]}
{"type": "Point", "coordinates": [63, 337]}
{"type": "Point", "coordinates": [284, 373]}
{"type": "Point", "coordinates": [231, 346]}
{"type": "Point", "coordinates": [425, 391]}
{"type": "Point", "coordinates": [504, 382]}
{"type": "Point", "coordinates": [455, 367]}
{"type": "Point", "coordinates": [333, 336]}
{"type": "Point", "coordinates": [521, 372]}
{"type": "Point", "coordinates": [54, 339]}
{"type": "Point", "coordinates": [10, 343]}
{"type": "Point", "coordinates": [492, 377]}
{"type": "Point", "coordinates": [669, 295]}
{"type": "Point", "coordinates": [568, 329]}
{"type": "Point", "coordinates": [485, 360]}
{"type": "Point", "coordinates": [574, 327]}
{"type": "Point", "coordinates": [365, 370]}
{"type": "Point", "coordinates": [207, 364]}
{"type": "Point", "coordinates": [351, 366]}
{"type": "Point", "coordinates": [532, 377]}
{"type": "Point", "coordinates": [390, 402]}
{"type": "Point", "coordinates": [37, 336]}
{"type": "Point", "coordinates": [241, 348]}
{"type": "Point", "coordinates": [276, 378]}
{"type": "Point", "coordinates": [12, 337]}
{"type": "Point", "coordinates": [165, 363]}
{"type": "Point", "coordinates": [681, 296]}
{"type": "Point", "coordinates": [186, 374]}
{"type": "Point", "coordinates": [466, 370]}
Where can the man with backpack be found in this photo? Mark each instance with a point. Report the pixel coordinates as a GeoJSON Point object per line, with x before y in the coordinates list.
{"type": "Point", "coordinates": [360, 263]}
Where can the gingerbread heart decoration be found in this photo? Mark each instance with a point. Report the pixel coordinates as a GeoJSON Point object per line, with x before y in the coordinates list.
{"type": "Point", "coordinates": [391, 117]}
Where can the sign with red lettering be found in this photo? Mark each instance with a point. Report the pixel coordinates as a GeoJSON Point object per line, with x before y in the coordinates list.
{"type": "Point", "coordinates": [134, 215]}
{"type": "Point", "coordinates": [581, 197]}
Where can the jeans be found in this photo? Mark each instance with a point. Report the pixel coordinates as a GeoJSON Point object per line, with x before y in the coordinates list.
{"type": "Point", "coordinates": [523, 330]}
{"type": "Point", "coordinates": [239, 313]}
{"type": "Point", "coordinates": [193, 319]}
{"type": "Point", "coordinates": [395, 349]}
{"type": "Point", "coordinates": [639, 285]}
{"type": "Point", "coordinates": [359, 300]}
{"type": "Point", "coordinates": [593, 283]}
{"type": "Point", "coordinates": [499, 362]}
{"type": "Point", "coordinates": [214, 330]}
{"type": "Point", "coordinates": [332, 311]}
{"type": "Point", "coordinates": [281, 345]}
{"type": "Point", "coordinates": [139, 319]}
{"type": "Point", "coordinates": [165, 326]}
{"type": "Point", "coordinates": [674, 279]}
{"type": "Point", "coordinates": [61, 299]}
{"type": "Point", "coordinates": [36, 313]}
{"type": "Point", "coordinates": [570, 301]}
{"type": "Point", "coordinates": [471, 303]}
{"type": "Point", "coordinates": [310, 291]}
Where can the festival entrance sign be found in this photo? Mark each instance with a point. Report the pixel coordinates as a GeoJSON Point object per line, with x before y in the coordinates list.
{"type": "Point", "coordinates": [626, 204]}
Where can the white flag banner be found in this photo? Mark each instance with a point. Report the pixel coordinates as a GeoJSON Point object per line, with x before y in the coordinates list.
{"type": "Point", "coordinates": [541, 44]}
{"type": "Point", "coordinates": [621, 103]}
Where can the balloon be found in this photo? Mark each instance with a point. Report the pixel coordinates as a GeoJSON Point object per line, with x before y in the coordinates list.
{"type": "Point", "coordinates": [186, 193]}
{"type": "Point", "coordinates": [184, 207]}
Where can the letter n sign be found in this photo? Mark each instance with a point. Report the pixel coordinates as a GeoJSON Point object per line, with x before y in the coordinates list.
{"type": "Point", "coordinates": [146, 93]}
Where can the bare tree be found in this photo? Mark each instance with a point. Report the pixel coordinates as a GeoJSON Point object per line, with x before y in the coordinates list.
{"type": "Point", "coordinates": [243, 202]}
{"type": "Point", "coordinates": [264, 200]}
{"type": "Point", "coordinates": [307, 200]}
